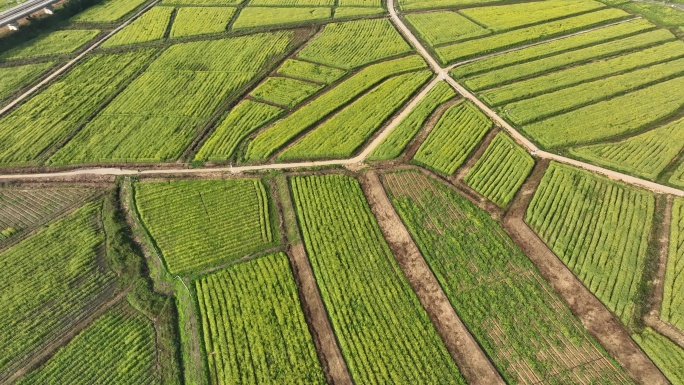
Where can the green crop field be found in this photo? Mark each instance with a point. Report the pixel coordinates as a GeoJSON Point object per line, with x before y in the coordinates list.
{"type": "Point", "coordinates": [191, 21]}
{"type": "Point", "coordinates": [99, 355]}
{"type": "Point", "coordinates": [399, 138]}
{"type": "Point", "coordinates": [241, 121]}
{"type": "Point", "coordinates": [444, 27]}
{"type": "Point", "coordinates": [541, 66]}
{"type": "Point", "coordinates": [217, 3]}
{"type": "Point", "coordinates": [252, 17]}
{"type": "Point", "coordinates": [58, 276]}
{"type": "Point", "coordinates": [530, 335]}
{"type": "Point", "coordinates": [253, 325]}
{"type": "Point", "coordinates": [58, 42]}
{"type": "Point", "coordinates": [352, 44]}
{"type": "Point", "coordinates": [677, 177]}
{"type": "Point", "coordinates": [430, 4]}
{"type": "Point", "coordinates": [181, 89]}
{"type": "Point", "coordinates": [22, 209]}
{"type": "Point", "coordinates": [501, 170]}
{"type": "Point", "coordinates": [498, 42]}
{"type": "Point", "coordinates": [108, 11]}
{"type": "Point", "coordinates": [542, 50]}
{"type": "Point", "coordinates": [14, 78]}
{"type": "Point", "coordinates": [383, 332]}
{"type": "Point", "coordinates": [345, 132]}
{"type": "Point", "coordinates": [348, 12]}
{"type": "Point", "coordinates": [584, 72]}
{"type": "Point", "coordinates": [64, 105]}
{"type": "Point", "coordinates": [600, 229]}
{"type": "Point", "coordinates": [199, 224]}
{"type": "Point", "coordinates": [673, 298]}
{"type": "Point", "coordinates": [283, 91]}
{"type": "Point", "coordinates": [293, 3]}
{"type": "Point", "coordinates": [665, 354]}
{"type": "Point", "coordinates": [645, 155]}
{"type": "Point", "coordinates": [630, 113]}
{"type": "Point", "coordinates": [360, 3]}
{"type": "Point", "coordinates": [454, 137]}
{"type": "Point", "coordinates": [661, 14]}
{"type": "Point", "coordinates": [151, 26]}
{"type": "Point", "coordinates": [269, 141]}
{"type": "Point", "coordinates": [310, 71]}
{"type": "Point", "coordinates": [505, 17]}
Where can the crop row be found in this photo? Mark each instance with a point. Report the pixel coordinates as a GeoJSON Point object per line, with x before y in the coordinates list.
{"type": "Point", "coordinates": [673, 297]}
{"type": "Point", "coordinates": [455, 136]}
{"type": "Point", "coordinates": [559, 61]}
{"type": "Point", "coordinates": [108, 11]}
{"type": "Point", "coordinates": [312, 72]}
{"type": "Point", "coordinates": [180, 90]}
{"type": "Point", "coordinates": [384, 334]}
{"type": "Point", "coordinates": [273, 138]}
{"type": "Point", "coordinates": [665, 354]}
{"type": "Point", "coordinates": [501, 170]}
{"type": "Point", "coordinates": [600, 230]}
{"type": "Point", "coordinates": [582, 73]}
{"type": "Point", "coordinates": [150, 26]}
{"type": "Point", "coordinates": [399, 138]}
{"type": "Point", "coordinates": [554, 103]}
{"type": "Point", "coordinates": [191, 21]}
{"type": "Point", "coordinates": [530, 335]}
{"type": "Point", "coordinates": [251, 17]}
{"type": "Point", "coordinates": [283, 91]}
{"type": "Point", "coordinates": [553, 48]}
{"type": "Point", "coordinates": [253, 327]}
{"type": "Point", "coordinates": [498, 42]}
{"type": "Point", "coordinates": [444, 27]}
{"type": "Point", "coordinates": [196, 224]}
{"type": "Point", "coordinates": [346, 131]}
{"type": "Point", "coordinates": [677, 177]}
{"type": "Point", "coordinates": [15, 78]}
{"type": "Point", "coordinates": [645, 155]}
{"type": "Point", "coordinates": [629, 113]}
{"type": "Point", "coordinates": [57, 42]}
{"type": "Point", "coordinates": [48, 282]}
{"type": "Point", "coordinates": [51, 115]}
{"type": "Point", "coordinates": [118, 348]}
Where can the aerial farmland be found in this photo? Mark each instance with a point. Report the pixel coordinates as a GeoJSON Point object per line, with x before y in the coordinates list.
{"type": "Point", "coordinates": [211, 192]}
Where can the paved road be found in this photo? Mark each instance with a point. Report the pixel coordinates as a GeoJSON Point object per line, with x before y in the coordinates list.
{"type": "Point", "coordinates": [443, 74]}
{"type": "Point", "coordinates": [22, 10]}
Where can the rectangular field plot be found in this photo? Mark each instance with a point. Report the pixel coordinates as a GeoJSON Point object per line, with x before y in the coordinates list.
{"type": "Point", "coordinates": [120, 339]}
{"type": "Point", "coordinates": [598, 228]}
{"type": "Point", "coordinates": [667, 356]}
{"type": "Point", "coordinates": [501, 170]}
{"type": "Point", "coordinates": [151, 26]}
{"type": "Point", "coordinates": [673, 297]}
{"type": "Point", "coordinates": [504, 17]}
{"type": "Point", "coordinates": [47, 118]}
{"type": "Point", "coordinates": [293, 3]}
{"type": "Point", "coordinates": [344, 133]}
{"type": "Point", "coordinates": [217, 3]}
{"type": "Point", "coordinates": [523, 327]}
{"type": "Point", "coordinates": [399, 138]}
{"type": "Point", "coordinates": [180, 90]}
{"type": "Point", "coordinates": [253, 325]}
{"type": "Point", "coordinates": [241, 121]}
{"type": "Point", "coordinates": [283, 91]}
{"type": "Point", "coordinates": [58, 42]}
{"type": "Point", "coordinates": [555, 47]}
{"type": "Point", "coordinates": [645, 155]}
{"type": "Point", "coordinates": [284, 130]}
{"type": "Point", "coordinates": [677, 177]}
{"type": "Point", "coordinates": [444, 27]}
{"type": "Point", "coordinates": [349, 12]}
{"type": "Point", "coordinates": [23, 209]}
{"type": "Point", "coordinates": [252, 17]}
{"type": "Point", "coordinates": [310, 71]}
{"type": "Point", "coordinates": [191, 21]}
{"type": "Point", "coordinates": [108, 11]}
{"type": "Point", "coordinates": [197, 224]}
{"type": "Point", "coordinates": [629, 113]}
{"type": "Point", "coordinates": [384, 334]}
{"type": "Point", "coordinates": [579, 73]}
{"type": "Point", "coordinates": [352, 44]}
{"type": "Point", "coordinates": [499, 42]}
{"type": "Point", "coordinates": [454, 137]}
{"type": "Point", "coordinates": [430, 4]}
{"type": "Point", "coordinates": [49, 282]}
{"type": "Point", "coordinates": [12, 79]}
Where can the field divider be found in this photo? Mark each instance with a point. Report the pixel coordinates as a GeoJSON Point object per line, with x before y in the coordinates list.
{"type": "Point", "coordinates": [73, 61]}
{"type": "Point", "coordinates": [471, 360]}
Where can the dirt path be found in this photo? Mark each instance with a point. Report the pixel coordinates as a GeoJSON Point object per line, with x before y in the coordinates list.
{"type": "Point", "coordinates": [475, 155]}
{"type": "Point", "coordinates": [334, 366]}
{"type": "Point", "coordinates": [471, 360]}
{"type": "Point", "coordinates": [672, 333]}
{"type": "Point", "coordinates": [413, 146]}
{"type": "Point", "coordinates": [595, 317]}
{"type": "Point", "coordinates": [48, 350]}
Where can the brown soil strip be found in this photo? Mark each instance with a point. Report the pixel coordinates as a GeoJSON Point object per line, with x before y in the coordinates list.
{"type": "Point", "coordinates": [51, 348]}
{"type": "Point", "coordinates": [675, 335]}
{"type": "Point", "coordinates": [471, 360]}
{"type": "Point", "coordinates": [475, 155]}
{"type": "Point", "coordinates": [334, 366]}
{"type": "Point", "coordinates": [595, 317]}
{"type": "Point", "coordinates": [664, 246]}
{"type": "Point", "coordinates": [432, 120]}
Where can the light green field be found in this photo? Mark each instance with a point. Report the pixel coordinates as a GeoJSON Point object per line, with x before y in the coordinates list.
{"type": "Point", "coordinates": [252, 17]}
{"type": "Point", "coordinates": [677, 177]}
{"type": "Point", "coordinates": [667, 356]}
{"type": "Point", "coordinates": [191, 21]}
{"type": "Point", "coordinates": [151, 26]}
{"type": "Point", "coordinates": [12, 79]}
{"type": "Point", "coordinates": [345, 12]}
{"type": "Point", "coordinates": [661, 14]}
{"type": "Point", "coordinates": [53, 43]}
{"type": "Point", "coordinates": [285, 92]}
{"type": "Point", "coordinates": [430, 4]}
{"type": "Point", "coordinates": [444, 27]}
{"type": "Point", "coordinates": [108, 11]}
{"type": "Point", "coordinates": [310, 71]}
{"type": "Point", "coordinates": [672, 310]}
